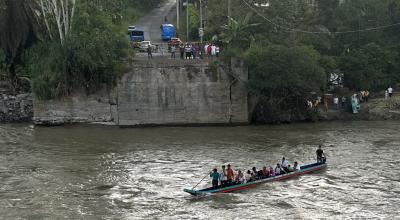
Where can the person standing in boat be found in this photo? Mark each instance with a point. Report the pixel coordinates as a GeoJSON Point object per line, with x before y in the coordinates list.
{"type": "Point", "coordinates": [222, 176]}
{"type": "Point", "coordinates": [229, 175]}
{"type": "Point", "coordinates": [320, 155]}
{"type": "Point", "coordinates": [215, 177]}
{"type": "Point", "coordinates": [285, 164]}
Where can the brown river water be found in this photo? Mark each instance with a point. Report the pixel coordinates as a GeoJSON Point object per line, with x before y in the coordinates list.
{"type": "Point", "coordinates": [98, 172]}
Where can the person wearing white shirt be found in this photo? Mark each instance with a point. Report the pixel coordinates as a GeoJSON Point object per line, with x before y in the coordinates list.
{"type": "Point", "coordinates": [279, 170]}
{"type": "Point", "coordinates": [239, 177]}
{"type": "Point", "coordinates": [284, 164]}
{"type": "Point", "coordinates": [213, 50]}
{"type": "Point", "coordinates": [390, 91]}
{"type": "Point", "coordinates": [248, 176]}
{"type": "Point", "coordinates": [217, 51]}
{"type": "Point", "coordinates": [222, 176]}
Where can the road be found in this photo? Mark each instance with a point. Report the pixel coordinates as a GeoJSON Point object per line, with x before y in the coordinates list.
{"type": "Point", "coordinates": [152, 21]}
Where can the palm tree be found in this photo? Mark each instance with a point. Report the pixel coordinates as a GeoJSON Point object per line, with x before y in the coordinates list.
{"type": "Point", "coordinates": [238, 32]}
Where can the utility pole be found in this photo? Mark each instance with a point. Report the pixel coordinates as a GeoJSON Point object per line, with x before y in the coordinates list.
{"type": "Point", "coordinates": [229, 12]}
{"type": "Point", "coordinates": [201, 22]}
{"type": "Point", "coordinates": [178, 4]}
{"type": "Point", "coordinates": [187, 20]}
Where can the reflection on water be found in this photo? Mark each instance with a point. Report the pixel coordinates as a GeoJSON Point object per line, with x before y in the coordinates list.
{"type": "Point", "coordinates": [95, 172]}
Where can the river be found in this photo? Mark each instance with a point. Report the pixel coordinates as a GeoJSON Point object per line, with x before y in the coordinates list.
{"type": "Point", "coordinates": [98, 172]}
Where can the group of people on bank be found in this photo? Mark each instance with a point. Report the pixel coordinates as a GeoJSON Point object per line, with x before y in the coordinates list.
{"type": "Point", "coordinates": [226, 176]}
{"type": "Point", "coordinates": [191, 51]}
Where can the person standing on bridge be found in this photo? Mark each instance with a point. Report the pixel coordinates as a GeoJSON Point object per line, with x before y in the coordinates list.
{"type": "Point", "coordinates": [188, 51]}
{"type": "Point", "coordinates": [182, 50]}
{"type": "Point", "coordinates": [149, 52]}
{"type": "Point", "coordinates": [173, 50]}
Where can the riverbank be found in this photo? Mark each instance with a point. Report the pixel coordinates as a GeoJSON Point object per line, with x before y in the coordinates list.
{"type": "Point", "coordinates": [376, 109]}
{"type": "Point", "coordinates": [20, 108]}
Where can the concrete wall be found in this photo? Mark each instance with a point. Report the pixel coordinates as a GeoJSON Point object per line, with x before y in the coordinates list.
{"type": "Point", "coordinates": [182, 94]}
{"type": "Point", "coordinates": [159, 93]}
{"type": "Point", "coordinates": [78, 108]}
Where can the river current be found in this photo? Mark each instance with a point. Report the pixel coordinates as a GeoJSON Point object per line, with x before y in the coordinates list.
{"type": "Point", "coordinates": [98, 172]}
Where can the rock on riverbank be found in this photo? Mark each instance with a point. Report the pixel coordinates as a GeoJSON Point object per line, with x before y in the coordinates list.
{"type": "Point", "coordinates": [17, 108]}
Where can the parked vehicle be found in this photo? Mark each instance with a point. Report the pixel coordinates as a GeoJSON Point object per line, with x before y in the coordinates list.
{"type": "Point", "coordinates": [174, 42]}
{"type": "Point", "coordinates": [144, 45]}
{"type": "Point", "coordinates": [135, 34]}
{"type": "Point", "coordinates": [167, 32]}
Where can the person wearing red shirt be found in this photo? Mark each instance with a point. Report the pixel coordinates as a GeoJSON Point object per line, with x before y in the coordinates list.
{"type": "Point", "coordinates": [229, 174]}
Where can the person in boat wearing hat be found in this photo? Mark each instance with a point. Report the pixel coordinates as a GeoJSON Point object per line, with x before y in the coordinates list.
{"type": "Point", "coordinates": [229, 175]}
{"type": "Point", "coordinates": [215, 177]}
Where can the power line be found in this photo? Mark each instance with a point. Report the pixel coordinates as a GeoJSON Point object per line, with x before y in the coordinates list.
{"type": "Point", "coordinates": [318, 32]}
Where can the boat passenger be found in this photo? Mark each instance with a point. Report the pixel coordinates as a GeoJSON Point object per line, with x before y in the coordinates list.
{"type": "Point", "coordinates": [260, 174]}
{"type": "Point", "coordinates": [215, 177]}
{"type": "Point", "coordinates": [254, 174]}
{"type": "Point", "coordinates": [285, 164]}
{"type": "Point", "coordinates": [271, 171]}
{"type": "Point", "coordinates": [289, 169]}
{"type": "Point", "coordinates": [296, 166]}
{"type": "Point", "coordinates": [248, 176]}
{"type": "Point", "coordinates": [279, 170]}
{"type": "Point", "coordinates": [320, 155]}
{"type": "Point", "coordinates": [222, 176]}
{"type": "Point", "coordinates": [265, 172]}
{"type": "Point", "coordinates": [239, 179]}
{"type": "Point", "coordinates": [229, 175]}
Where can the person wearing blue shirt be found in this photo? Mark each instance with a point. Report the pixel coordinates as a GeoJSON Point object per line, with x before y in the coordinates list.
{"type": "Point", "coordinates": [215, 177]}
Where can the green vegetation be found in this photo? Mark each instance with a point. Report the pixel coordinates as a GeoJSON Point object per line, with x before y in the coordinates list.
{"type": "Point", "coordinates": [65, 45]}
{"type": "Point", "coordinates": [293, 47]}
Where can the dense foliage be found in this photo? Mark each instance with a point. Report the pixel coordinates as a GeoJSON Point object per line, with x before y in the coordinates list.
{"type": "Point", "coordinates": [84, 48]}
{"type": "Point", "coordinates": [293, 47]}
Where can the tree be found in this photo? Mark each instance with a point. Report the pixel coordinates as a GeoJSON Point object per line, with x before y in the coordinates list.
{"type": "Point", "coordinates": [59, 15]}
{"type": "Point", "coordinates": [238, 32]}
{"type": "Point", "coordinates": [283, 78]}
{"type": "Point", "coordinates": [370, 67]}
{"type": "Point", "coordinates": [17, 32]}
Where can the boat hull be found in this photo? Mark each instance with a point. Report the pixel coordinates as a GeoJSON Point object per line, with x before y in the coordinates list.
{"type": "Point", "coordinates": [303, 170]}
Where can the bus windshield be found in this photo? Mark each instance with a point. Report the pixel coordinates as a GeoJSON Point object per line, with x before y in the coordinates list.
{"type": "Point", "coordinates": [136, 35]}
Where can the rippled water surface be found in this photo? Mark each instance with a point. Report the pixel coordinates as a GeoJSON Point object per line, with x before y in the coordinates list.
{"type": "Point", "coordinates": [96, 172]}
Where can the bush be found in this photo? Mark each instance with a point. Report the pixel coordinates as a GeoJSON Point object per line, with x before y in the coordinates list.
{"type": "Point", "coordinates": [91, 57]}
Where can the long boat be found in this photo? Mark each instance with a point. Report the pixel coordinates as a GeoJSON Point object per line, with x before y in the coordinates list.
{"type": "Point", "coordinates": [308, 168]}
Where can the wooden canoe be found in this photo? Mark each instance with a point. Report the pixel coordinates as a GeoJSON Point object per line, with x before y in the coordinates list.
{"type": "Point", "coordinates": [308, 168]}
